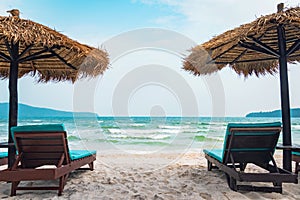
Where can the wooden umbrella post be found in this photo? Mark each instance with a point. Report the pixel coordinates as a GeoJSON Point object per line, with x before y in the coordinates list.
{"type": "Point", "coordinates": [13, 97]}
{"type": "Point", "coordinates": [285, 101]}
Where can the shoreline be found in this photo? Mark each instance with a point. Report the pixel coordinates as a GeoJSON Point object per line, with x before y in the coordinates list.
{"type": "Point", "coordinates": [129, 176]}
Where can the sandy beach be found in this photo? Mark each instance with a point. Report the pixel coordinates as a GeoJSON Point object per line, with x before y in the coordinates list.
{"type": "Point", "coordinates": [149, 176]}
{"type": "Point", "coordinates": [148, 85]}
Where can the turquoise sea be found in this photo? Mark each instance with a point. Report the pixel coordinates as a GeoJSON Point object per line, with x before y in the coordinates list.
{"type": "Point", "coordinates": [146, 134]}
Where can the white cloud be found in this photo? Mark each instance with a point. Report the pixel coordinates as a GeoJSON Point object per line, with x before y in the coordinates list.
{"type": "Point", "coordinates": [204, 19]}
{"type": "Point", "coordinates": [165, 20]}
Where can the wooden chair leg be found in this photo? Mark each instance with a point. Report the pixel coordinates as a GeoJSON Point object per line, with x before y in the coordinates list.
{"type": "Point", "coordinates": [61, 186]}
{"type": "Point", "coordinates": [14, 186]}
{"type": "Point", "coordinates": [277, 184]}
{"type": "Point", "coordinates": [297, 168]}
{"type": "Point", "coordinates": [209, 165]}
{"type": "Point", "coordinates": [62, 183]}
{"type": "Point", "coordinates": [243, 166]}
{"type": "Point", "coordinates": [91, 166]}
{"type": "Point", "coordinates": [231, 182]}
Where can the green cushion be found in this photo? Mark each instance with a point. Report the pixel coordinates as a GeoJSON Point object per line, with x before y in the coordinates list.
{"type": "Point", "coordinates": [296, 153]}
{"type": "Point", "coordinates": [3, 154]}
{"type": "Point", "coordinates": [36, 128]}
{"type": "Point", "coordinates": [219, 153]}
{"type": "Point", "coordinates": [77, 154]}
{"type": "Point", "coordinates": [215, 153]}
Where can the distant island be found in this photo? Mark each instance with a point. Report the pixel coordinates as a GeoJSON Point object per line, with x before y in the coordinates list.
{"type": "Point", "coordinates": [26, 111]}
{"type": "Point", "coordinates": [276, 113]}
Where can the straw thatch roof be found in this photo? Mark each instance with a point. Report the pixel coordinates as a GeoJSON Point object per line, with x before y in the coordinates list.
{"type": "Point", "coordinates": [45, 53]}
{"type": "Point", "coordinates": [249, 49]}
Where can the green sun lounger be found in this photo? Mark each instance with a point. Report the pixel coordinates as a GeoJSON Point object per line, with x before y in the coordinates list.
{"type": "Point", "coordinates": [250, 143]}
{"type": "Point", "coordinates": [43, 154]}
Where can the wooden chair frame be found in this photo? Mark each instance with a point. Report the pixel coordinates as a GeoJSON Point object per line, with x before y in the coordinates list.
{"type": "Point", "coordinates": [36, 149]}
{"type": "Point", "coordinates": [247, 145]}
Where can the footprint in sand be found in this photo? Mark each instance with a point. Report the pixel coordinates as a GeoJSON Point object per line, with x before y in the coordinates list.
{"type": "Point", "coordinates": [206, 196]}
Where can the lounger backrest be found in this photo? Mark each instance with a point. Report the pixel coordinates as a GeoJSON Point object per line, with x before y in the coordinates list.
{"type": "Point", "coordinates": [41, 144]}
{"type": "Point", "coordinates": [250, 143]}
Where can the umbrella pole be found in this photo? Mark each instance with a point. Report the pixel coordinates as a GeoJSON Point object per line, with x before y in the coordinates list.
{"type": "Point", "coordinates": [285, 101]}
{"type": "Point", "coordinates": [13, 100]}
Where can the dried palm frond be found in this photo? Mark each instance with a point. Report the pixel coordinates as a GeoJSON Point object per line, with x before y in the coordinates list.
{"type": "Point", "coordinates": [46, 53]}
{"type": "Point", "coordinates": [229, 47]}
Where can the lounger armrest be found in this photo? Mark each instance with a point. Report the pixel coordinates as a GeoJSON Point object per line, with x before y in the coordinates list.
{"type": "Point", "coordinates": [16, 163]}
{"type": "Point", "coordinates": [294, 147]}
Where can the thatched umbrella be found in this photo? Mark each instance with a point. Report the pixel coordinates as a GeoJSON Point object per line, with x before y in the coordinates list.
{"type": "Point", "coordinates": [264, 46]}
{"type": "Point", "coordinates": [30, 48]}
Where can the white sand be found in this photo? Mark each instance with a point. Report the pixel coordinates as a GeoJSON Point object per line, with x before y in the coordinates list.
{"type": "Point", "coordinates": [151, 176]}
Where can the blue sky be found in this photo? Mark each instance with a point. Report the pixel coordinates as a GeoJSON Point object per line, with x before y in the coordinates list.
{"type": "Point", "coordinates": [141, 33]}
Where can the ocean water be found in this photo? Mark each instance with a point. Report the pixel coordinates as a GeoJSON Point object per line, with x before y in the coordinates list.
{"type": "Point", "coordinates": [142, 135]}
